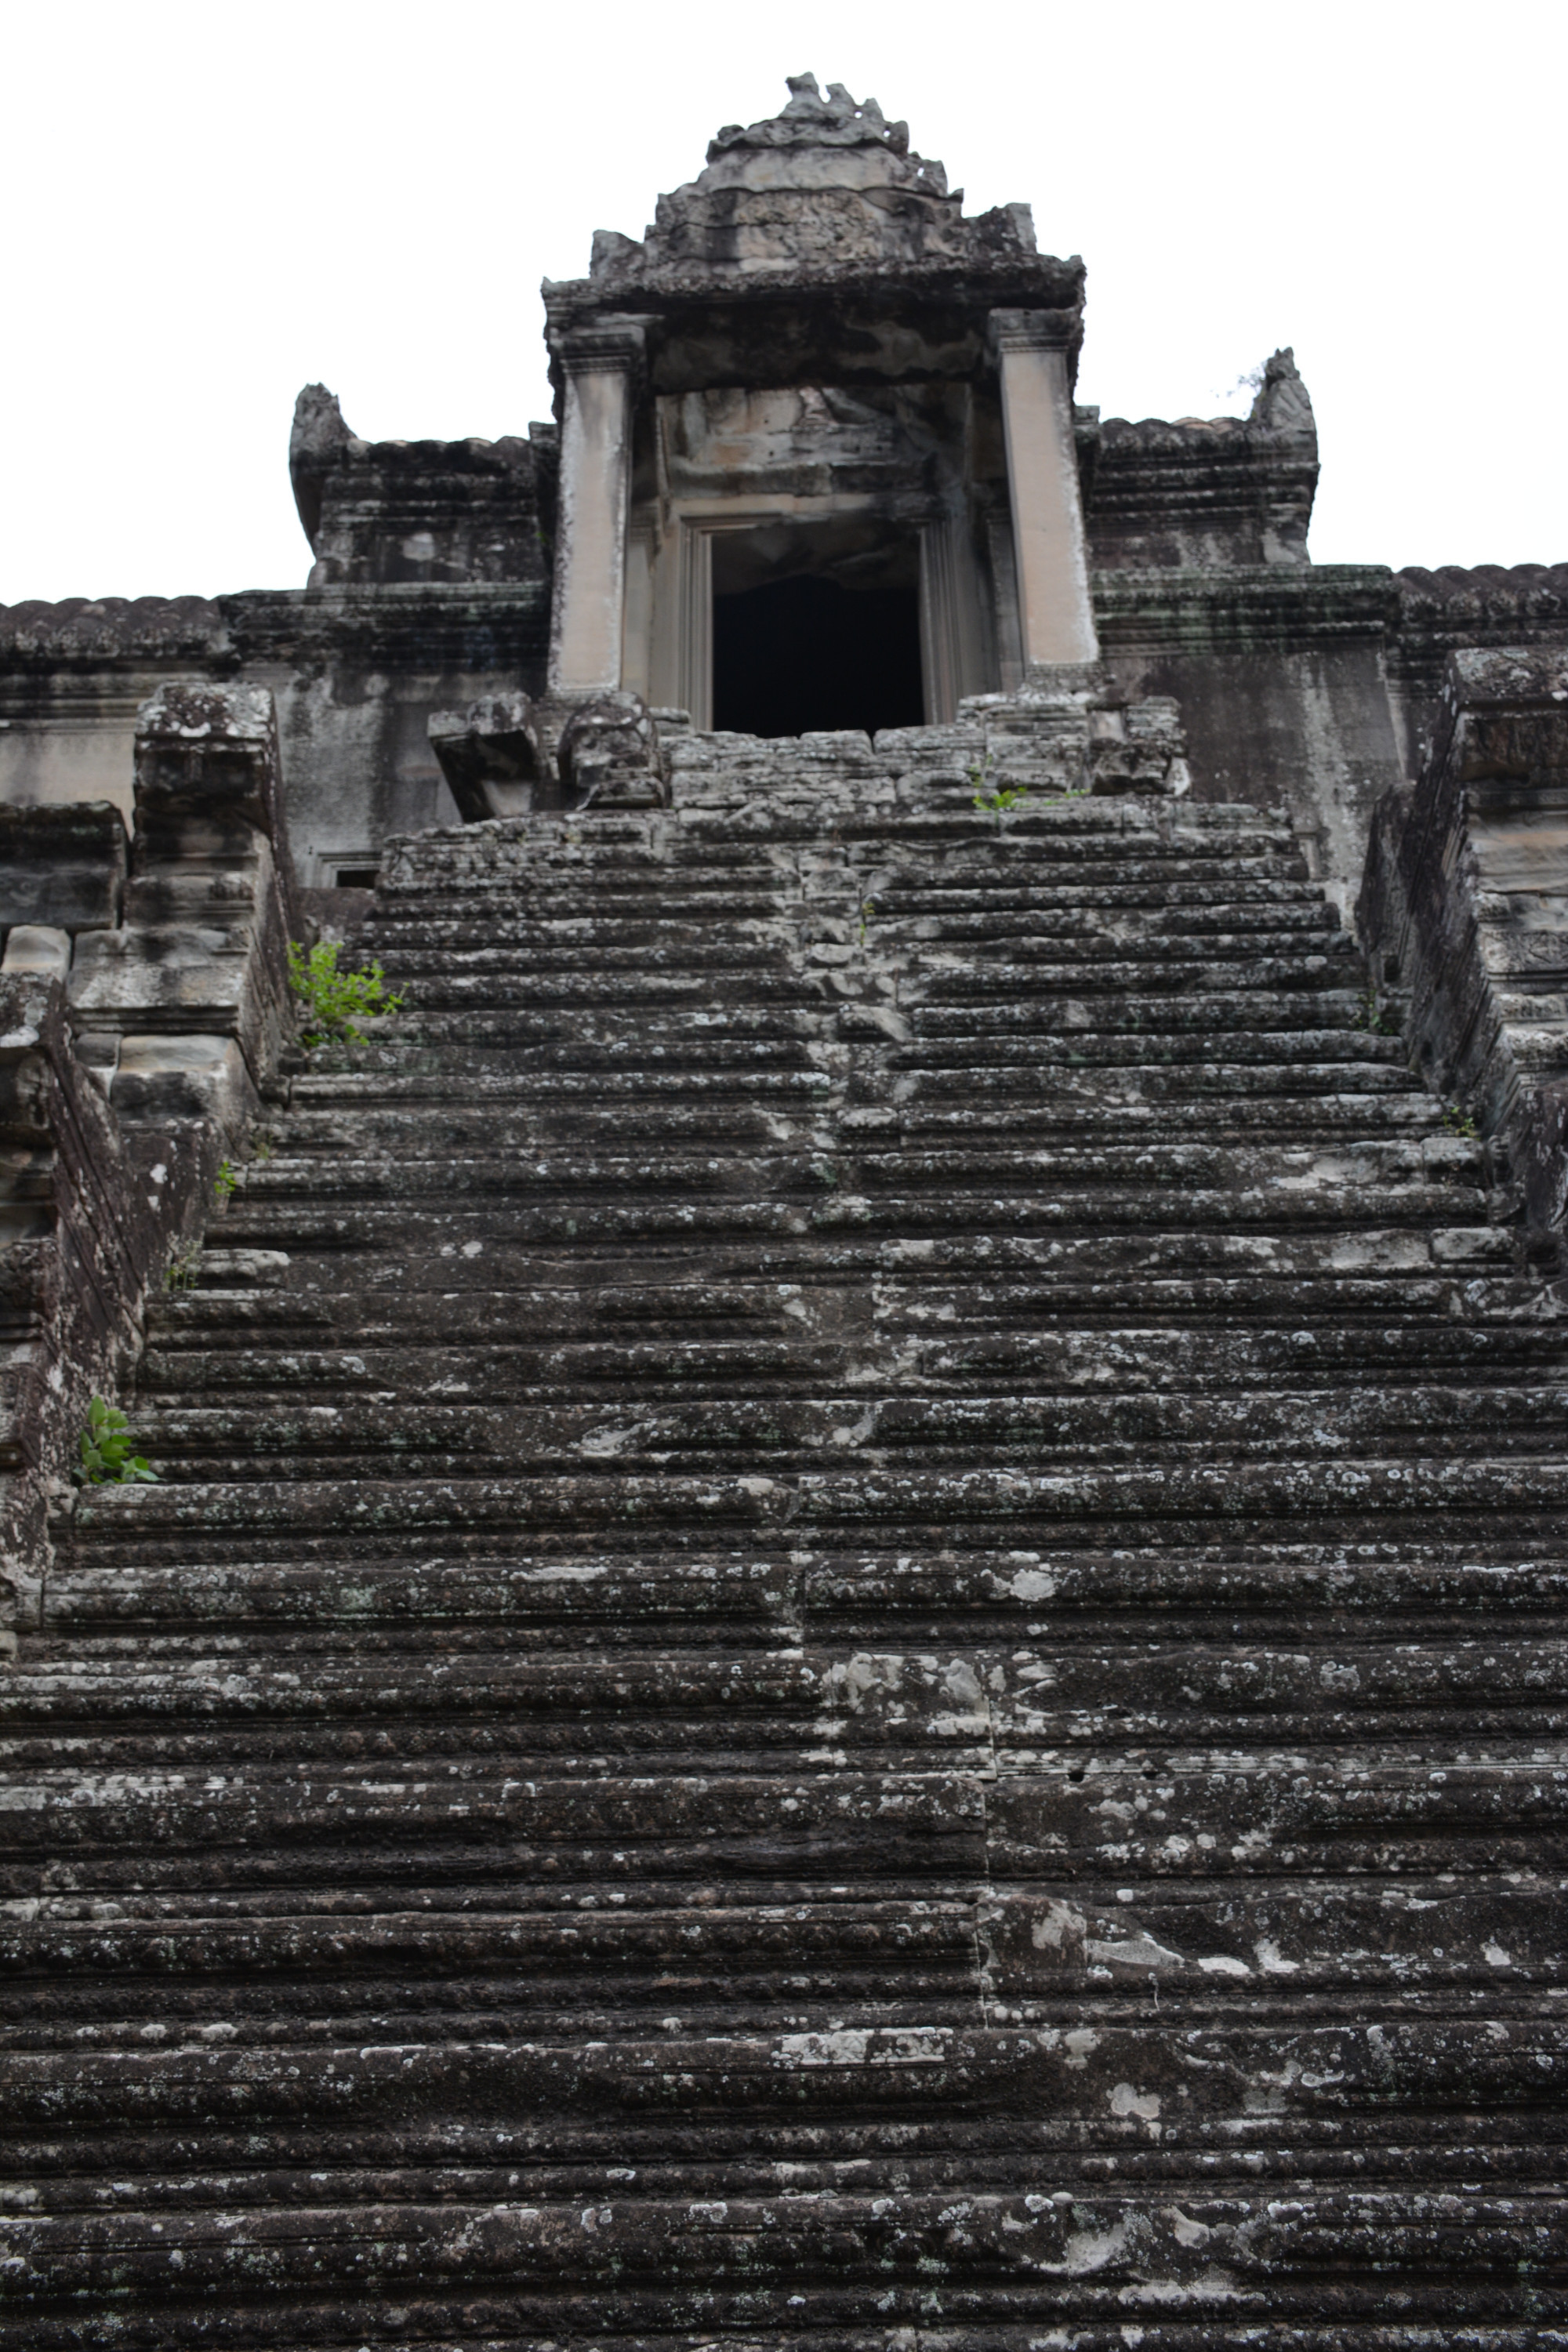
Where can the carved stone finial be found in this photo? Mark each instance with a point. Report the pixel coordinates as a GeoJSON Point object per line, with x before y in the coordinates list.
{"type": "Point", "coordinates": [318, 434]}
{"type": "Point", "coordinates": [1282, 404]}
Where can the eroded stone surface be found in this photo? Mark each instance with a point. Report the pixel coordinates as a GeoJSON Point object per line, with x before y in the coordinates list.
{"type": "Point", "coordinates": [853, 1636]}
{"type": "Point", "coordinates": [1464, 909]}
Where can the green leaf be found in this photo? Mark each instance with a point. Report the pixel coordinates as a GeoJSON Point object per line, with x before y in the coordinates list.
{"type": "Point", "coordinates": [104, 1448]}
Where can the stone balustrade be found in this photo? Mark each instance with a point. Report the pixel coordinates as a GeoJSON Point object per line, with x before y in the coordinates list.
{"type": "Point", "coordinates": [141, 1007]}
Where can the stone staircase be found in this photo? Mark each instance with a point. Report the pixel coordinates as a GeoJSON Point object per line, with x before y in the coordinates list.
{"type": "Point", "coordinates": [852, 1640]}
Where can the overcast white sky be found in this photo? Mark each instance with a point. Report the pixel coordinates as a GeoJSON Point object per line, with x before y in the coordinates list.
{"type": "Point", "coordinates": [211, 205]}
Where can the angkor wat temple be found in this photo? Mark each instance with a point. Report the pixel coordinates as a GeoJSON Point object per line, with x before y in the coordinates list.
{"type": "Point", "coordinates": [850, 1637]}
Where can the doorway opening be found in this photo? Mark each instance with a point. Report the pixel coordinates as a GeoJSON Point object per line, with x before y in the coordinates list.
{"type": "Point", "coordinates": [815, 627]}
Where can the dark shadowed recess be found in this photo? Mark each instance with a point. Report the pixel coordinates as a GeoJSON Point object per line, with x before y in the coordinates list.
{"type": "Point", "coordinates": [795, 655]}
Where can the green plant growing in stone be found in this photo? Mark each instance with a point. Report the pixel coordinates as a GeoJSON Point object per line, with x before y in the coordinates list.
{"type": "Point", "coordinates": [1005, 797]}
{"type": "Point", "coordinates": [1461, 1121]}
{"type": "Point", "coordinates": [868, 909]}
{"type": "Point", "coordinates": [105, 1448]}
{"type": "Point", "coordinates": [335, 1002]}
{"type": "Point", "coordinates": [180, 1274]}
{"type": "Point", "coordinates": [224, 1183]}
{"type": "Point", "coordinates": [1375, 1016]}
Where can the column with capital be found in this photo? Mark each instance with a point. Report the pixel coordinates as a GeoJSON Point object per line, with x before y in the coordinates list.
{"type": "Point", "coordinates": [1055, 617]}
{"type": "Point", "coordinates": [601, 363]}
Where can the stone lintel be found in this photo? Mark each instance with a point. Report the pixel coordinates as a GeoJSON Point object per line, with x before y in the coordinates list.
{"type": "Point", "coordinates": [1031, 331]}
{"type": "Point", "coordinates": [617, 342]}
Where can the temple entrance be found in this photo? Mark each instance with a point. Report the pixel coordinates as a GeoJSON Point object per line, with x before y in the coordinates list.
{"type": "Point", "coordinates": [810, 636]}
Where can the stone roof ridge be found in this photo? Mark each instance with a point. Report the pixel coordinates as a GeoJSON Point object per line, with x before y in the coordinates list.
{"type": "Point", "coordinates": [110, 627]}
{"type": "Point", "coordinates": [1468, 579]}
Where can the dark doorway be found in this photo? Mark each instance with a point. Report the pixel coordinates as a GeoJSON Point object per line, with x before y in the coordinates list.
{"type": "Point", "coordinates": [802, 654]}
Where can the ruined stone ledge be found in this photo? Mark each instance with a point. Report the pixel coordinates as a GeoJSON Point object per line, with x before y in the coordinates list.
{"type": "Point", "coordinates": [471, 627]}
{"type": "Point", "coordinates": [1440, 613]}
{"type": "Point", "coordinates": [1036, 279]}
{"type": "Point", "coordinates": [90, 630]}
{"type": "Point", "coordinates": [1483, 593]}
{"type": "Point", "coordinates": [1275, 605]}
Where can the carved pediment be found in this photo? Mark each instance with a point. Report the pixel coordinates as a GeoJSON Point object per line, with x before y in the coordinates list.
{"type": "Point", "coordinates": [827, 185]}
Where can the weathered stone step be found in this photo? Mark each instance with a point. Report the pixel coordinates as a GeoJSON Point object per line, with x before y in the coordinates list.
{"type": "Point", "coordinates": [1007, 895]}
{"type": "Point", "coordinates": [445, 1973]}
{"type": "Point", "coordinates": [953, 1041]}
{"type": "Point", "coordinates": [1366, 1497]}
{"type": "Point", "coordinates": [1166, 1096]}
{"type": "Point", "coordinates": [339, 1823]}
{"type": "Point", "coordinates": [1287, 1593]}
{"type": "Point", "coordinates": [545, 1043]}
{"type": "Point", "coordinates": [763, 978]}
{"type": "Point", "coordinates": [1321, 1099]}
{"type": "Point", "coordinates": [1188, 872]}
{"type": "Point", "coordinates": [1153, 985]}
{"type": "Point", "coordinates": [1092, 925]}
{"type": "Point", "coordinates": [432, 1119]}
{"type": "Point", "coordinates": [949, 1285]}
{"type": "Point", "coordinates": [769, 816]}
{"type": "Point", "coordinates": [1073, 925]}
{"type": "Point", "coordinates": [1282, 1002]}
{"type": "Point", "coordinates": [1040, 1705]}
{"type": "Point", "coordinates": [1362, 1228]}
{"type": "Point", "coordinates": [593, 1076]}
{"type": "Point", "coordinates": [481, 1045]}
{"type": "Point", "coordinates": [188, 1356]}
{"type": "Point", "coordinates": [354, 1438]}
{"type": "Point", "coordinates": [1435, 1155]}
{"type": "Point", "coordinates": [852, 2267]}
{"type": "Point", "coordinates": [1271, 958]}
{"type": "Point", "coordinates": [1333, 1933]}
{"type": "Point", "coordinates": [1149, 986]}
{"type": "Point", "coordinates": [1244, 1809]}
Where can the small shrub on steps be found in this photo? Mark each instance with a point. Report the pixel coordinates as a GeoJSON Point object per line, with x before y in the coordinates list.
{"type": "Point", "coordinates": [335, 1002]}
{"type": "Point", "coordinates": [105, 1446]}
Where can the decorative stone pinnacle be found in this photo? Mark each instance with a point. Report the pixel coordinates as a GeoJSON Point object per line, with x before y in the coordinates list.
{"type": "Point", "coordinates": [811, 121]}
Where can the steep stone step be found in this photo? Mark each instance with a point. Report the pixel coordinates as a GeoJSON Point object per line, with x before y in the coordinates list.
{"type": "Point", "coordinates": [186, 1359]}
{"type": "Point", "coordinates": [354, 1440]}
{"type": "Point", "coordinates": [857, 1594]}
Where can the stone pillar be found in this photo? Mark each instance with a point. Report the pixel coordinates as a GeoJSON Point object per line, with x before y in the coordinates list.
{"type": "Point", "coordinates": [952, 643]}
{"type": "Point", "coordinates": [1055, 617]}
{"type": "Point", "coordinates": [601, 363]}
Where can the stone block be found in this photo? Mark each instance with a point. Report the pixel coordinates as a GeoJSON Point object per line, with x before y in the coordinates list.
{"type": "Point", "coordinates": [606, 750]}
{"type": "Point", "coordinates": [37, 948]}
{"type": "Point", "coordinates": [192, 975]}
{"type": "Point", "coordinates": [209, 751]}
{"type": "Point", "coordinates": [188, 1076]}
{"type": "Point", "coordinates": [489, 756]}
{"type": "Point", "coordinates": [62, 865]}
